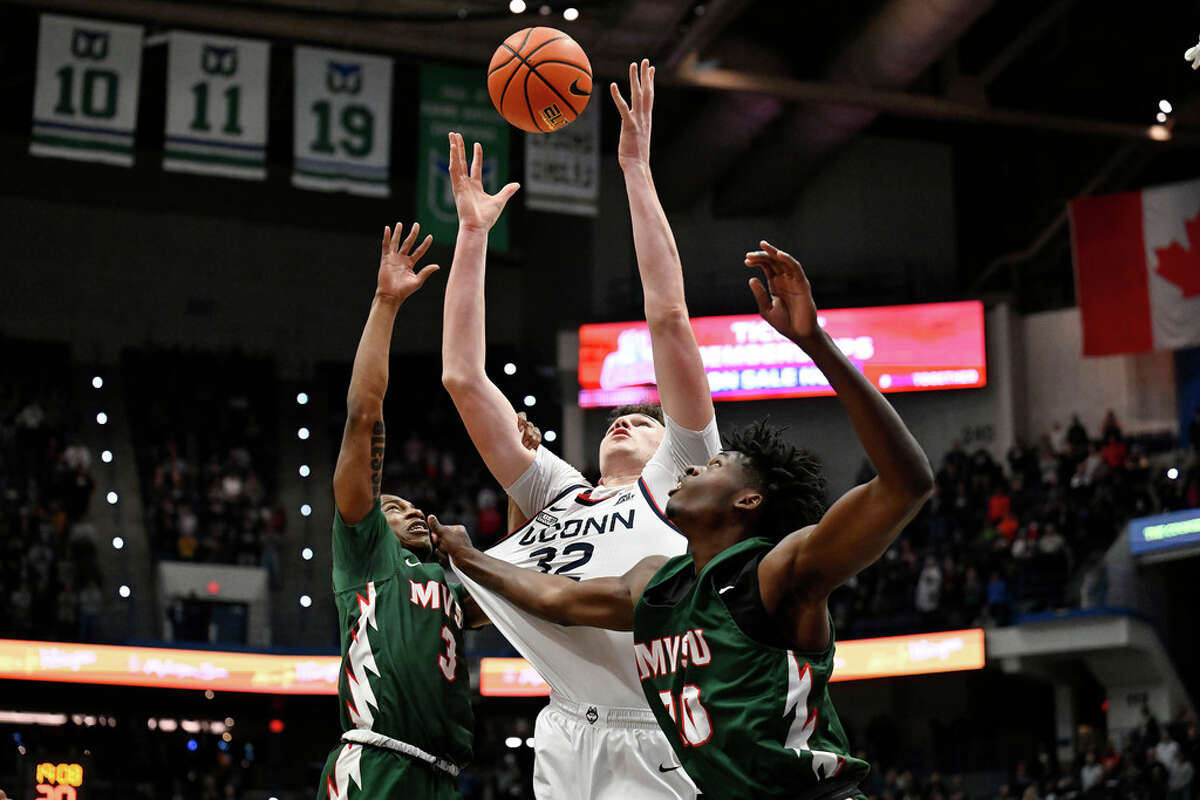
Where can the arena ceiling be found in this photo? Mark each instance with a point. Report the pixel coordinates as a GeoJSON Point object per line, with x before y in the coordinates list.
{"type": "Point", "coordinates": [1040, 100]}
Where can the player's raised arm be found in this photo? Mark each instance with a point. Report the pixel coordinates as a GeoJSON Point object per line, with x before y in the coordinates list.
{"type": "Point", "coordinates": [599, 602]}
{"type": "Point", "coordinates": [360, 460]}
{"type": "Point", "coordinates": [810, 563]}
{"type": "Point", "coordinates": [490, 419]}
{"type": "Point", "coordinates": [682, 384]}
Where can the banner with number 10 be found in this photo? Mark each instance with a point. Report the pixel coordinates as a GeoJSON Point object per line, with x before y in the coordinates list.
{"type": "Point", "coordinates": [343, 121]}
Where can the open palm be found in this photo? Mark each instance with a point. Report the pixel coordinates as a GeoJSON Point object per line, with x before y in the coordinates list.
{"type": "Point", "coordinates": [397, 275]}
{"type": "Point", "coordinates": [477, 210]}
{"type": "Point", "coordinates": [786, 300]}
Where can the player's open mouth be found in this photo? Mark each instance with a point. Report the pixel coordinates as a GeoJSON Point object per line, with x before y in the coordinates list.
{"type": "Point", "coordinates": [418, 527]}
{"type": "Point", "coordinates": [619, 432]}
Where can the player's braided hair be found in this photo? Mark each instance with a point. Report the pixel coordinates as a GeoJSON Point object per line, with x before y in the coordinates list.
{"type": "Point", "coordinates": [790, 478]}
{"type": "Point", "coordinates": [652, 410]}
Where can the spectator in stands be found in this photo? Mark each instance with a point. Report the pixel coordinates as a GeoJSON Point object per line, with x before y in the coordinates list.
{"type": "Point", "coordinates": [1091, 773]}
{"type": "Point", "coordinates": [929, 590]}
{"type": "Point", "coordinates": [1077, 437]}
{"type": "Point", "coordinates": [1114, 452]}
{"type": "Point", "coordinates": [1109, 426]}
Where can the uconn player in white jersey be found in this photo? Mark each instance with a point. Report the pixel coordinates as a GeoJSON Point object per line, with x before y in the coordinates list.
{"type": "Point", "coordinates": [596, 740]}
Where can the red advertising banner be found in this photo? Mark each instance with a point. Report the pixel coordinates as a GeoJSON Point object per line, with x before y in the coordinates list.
{"type": "Point", "coordinates": [856, 659]}
{"type": "Point", "coordinates": [899, 348]}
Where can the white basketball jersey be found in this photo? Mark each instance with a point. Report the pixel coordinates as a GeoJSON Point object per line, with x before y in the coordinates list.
{"type": "Point", "coordinates": [590, 532]}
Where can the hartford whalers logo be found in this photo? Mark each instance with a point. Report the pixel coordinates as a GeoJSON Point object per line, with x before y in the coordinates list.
{"type": "Point", "coordinates": [218, 60]}
{"type": "Point", "coordinates": [439, 193]}
{"type": "Point", "coordinates": [343, 78]}
{"type": "Point", "coordinates": [92, 45]}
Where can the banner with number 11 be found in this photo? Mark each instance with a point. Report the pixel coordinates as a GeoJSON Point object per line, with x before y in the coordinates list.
{"type": "Point", "coordinates": [217, 105]}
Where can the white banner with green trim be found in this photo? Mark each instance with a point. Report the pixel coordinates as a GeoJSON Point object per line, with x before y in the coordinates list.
{"type": "Point", "coordinates": [562, 169]}
{"type": "Point", "coordinates": [86, 99]}
{"type": "Point", "coordinates": [217, 105]}
{"type": "Point", "coordinates": [343, 121]}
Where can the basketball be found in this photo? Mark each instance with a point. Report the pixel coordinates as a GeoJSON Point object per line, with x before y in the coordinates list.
{"type": "Point", "coordinates": [540, 79]}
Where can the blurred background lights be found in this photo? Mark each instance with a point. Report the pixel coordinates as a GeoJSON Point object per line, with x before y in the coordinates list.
{"type": "Point", "coordinates": [512, 741]}
{"type": "Point", "coordinates": [305, 510]}
{"type": "Point", "coordinates": [307, 554]}
{"type": "Point", "coordinates": [517, 6]}
{"type": "Point", "coordinates": [302, 399]}
{"type": "Point", "coordinates": [106, 456]}
{"type": "Point", "coordinates": [102, 418]}
{"type": "Point", "coordinates": [305, 601]}
{"type": "Point", "coordinates": [97, 382]}
{"type": "Point", "coordinates": [571, 14]}
{"type": "Point", "coordinates": [510, 368]}
{"type": "Point", "coordinates": [530, 400]}
{"type": "Point", "coordinates": [1172, 473]}
{"type": "Point", "coordinates": [302, 433]}
{"type": "Point", "coordinates": [1164, 106]}
{"type": "Point", "coordinates": [305, 471]}
{"type": "Point", "coordinates": [112, 498]}
{"type": "Point", "coordinates": [118, 543]}
{"type": "Point", "coordinates": [124, 591]}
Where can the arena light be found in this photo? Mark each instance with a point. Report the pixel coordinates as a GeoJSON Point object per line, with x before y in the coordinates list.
{"type": "Point", "coordinates": [530, 400]}
{"type": "Point", "coordinates": [1161, 117]}
{"type": "Point", "coordinates": [124, 591]}
{"type": "Point", "coordinates": [112, 498]}
{"type": "Point", "coordinates": [307, 554]}
{"type": "Point", "coordinates": [510, 368]}
{"type": "Point", "coordinates": [32, 718]}
{"type": "Point", "coordinates": [101, 418]}
{"type": "Point", "coordinates": [275, 726]}
{"type": "Point", "coordinates": [571, 14]}
{"type": "Point", "coordinates": [1159, 133]}
{"type": "Point", "coordinates": [305, 601]}
{"type": "Point", "coordinates": [1164, 106]}
{"type": "Point", "coordinates": [529, 742]}
{"type": "Point", "coordinates": [305, 471]}
{"type": "Point", "coordinates": [106, 456]}
{"type": "Point", "coordinates": [517, 6]}
{"type": "Point", "coordinates": [192, 745]}
{"type": "Point", "coordinates": [1172, 473]}
{"type": "Point", "coordinates": [545, 10]}
{"type": "Point", "coordinates": [97, 382]}
{"type": "Point", "coordinates": [302, 433]}
{"type": "Point", "coordinates": [305, 510]}
{"type": "Point", "coordinates": [118, 543]}
{"type": "Point", "coordinates": [227, 736]}
{"type": "Point", "coordinates": [302, 399]}
{"type": "Point", "coordinates": [512, 742]}
{"type": "Point", "coordinates": [550, 436]}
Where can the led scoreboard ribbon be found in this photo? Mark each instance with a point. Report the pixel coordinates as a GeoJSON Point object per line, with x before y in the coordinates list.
{"type": "Point", "coordinates": [58, 780]}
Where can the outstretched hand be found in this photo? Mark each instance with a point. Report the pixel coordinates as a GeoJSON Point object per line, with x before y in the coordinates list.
{"type": "Point", "coordinates": [397, 276]}
{"type": "Point", "coordinates": [634, 146]}
{"type": "Point", "coordinates": [448, 539]}
{"type": "Point", "coordinates": [477, 210]}
{"type": "Point", "coordinates": [531, 435]}
{"type": "Point", "coordinates": [786, 300]}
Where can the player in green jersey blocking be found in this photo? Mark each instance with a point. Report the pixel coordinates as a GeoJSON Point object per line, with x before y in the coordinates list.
{"type": "Point", "coordinates": [403, 690]}
{"type": "Point", "coordinates": [733, 641]}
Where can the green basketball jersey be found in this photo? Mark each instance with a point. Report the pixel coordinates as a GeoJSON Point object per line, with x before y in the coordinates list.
{"type": "Point", "coordinates": [746, 720]}
{"type": "Point", "coordinates": [404, 670]}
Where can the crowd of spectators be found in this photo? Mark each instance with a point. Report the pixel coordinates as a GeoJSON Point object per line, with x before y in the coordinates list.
{"type": "Point", "coordinates": [999, 539]}
{"type": "Point", "coordinates": [1155, 762]}
{"type": "Point", "coordinates": [206, 455]}
{"type": "Point", "coordinates": [50, 584]}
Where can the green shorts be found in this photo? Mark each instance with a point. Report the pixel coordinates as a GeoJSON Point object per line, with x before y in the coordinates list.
{"type": "Point", "coordinates": [384, 774]}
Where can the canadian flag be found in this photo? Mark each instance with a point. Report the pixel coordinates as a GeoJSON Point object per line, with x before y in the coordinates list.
{"type": "Point", "coordinates": [1137, 268]}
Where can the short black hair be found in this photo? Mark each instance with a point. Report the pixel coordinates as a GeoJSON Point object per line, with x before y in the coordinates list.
{"type": "Point", "coordinates": [652, 410]}
{"type": "Point", "coordinates": [791, 479]}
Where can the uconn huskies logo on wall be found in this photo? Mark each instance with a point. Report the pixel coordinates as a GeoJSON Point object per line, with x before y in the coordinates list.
{"type": "Point", "coordinates": [218, 60]}
{"type": "Point", "coordinates": [92, 45]}
{"type": "Point", "coordinates": [343, 78]}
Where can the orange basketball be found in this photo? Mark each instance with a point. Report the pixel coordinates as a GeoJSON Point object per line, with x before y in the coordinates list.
{"type": "Point", "coordinates": [540, 80]}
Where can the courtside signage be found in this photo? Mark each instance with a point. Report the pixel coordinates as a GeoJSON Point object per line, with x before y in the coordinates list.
{"type": "Point", "coordinates": [888, 657]}
{"type": "Point", "coordinates": [168, 669]}
{"type": "Point", "coordinates": [899, 348]}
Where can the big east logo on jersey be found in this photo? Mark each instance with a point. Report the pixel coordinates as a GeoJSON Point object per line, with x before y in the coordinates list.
{"type": "Point", "coordinates": [435, 595]}
{"type": "Point", "coordinates": [667, 654]}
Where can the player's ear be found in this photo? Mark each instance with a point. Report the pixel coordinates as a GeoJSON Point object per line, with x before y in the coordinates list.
{"type": "Point", "coordinates": [748, 500]}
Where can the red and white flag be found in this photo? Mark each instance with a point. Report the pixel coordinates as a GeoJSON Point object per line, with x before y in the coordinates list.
{"type": "Point", "coordinates": [1137, 268]}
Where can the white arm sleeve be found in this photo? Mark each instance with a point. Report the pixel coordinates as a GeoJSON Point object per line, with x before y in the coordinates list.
{"type": "Point", "coordinates": [544, 480]}
{"type": "Point", "coordinates": [680, 449]}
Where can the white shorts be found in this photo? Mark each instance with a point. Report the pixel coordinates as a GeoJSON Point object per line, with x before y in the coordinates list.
{"type": "Point", "coordinates": [585, 752]}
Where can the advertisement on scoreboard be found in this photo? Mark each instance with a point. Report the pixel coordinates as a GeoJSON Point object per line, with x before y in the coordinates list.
{"type": "Point", "coordinates": [899, 348]}
{"type": "Point", "coordinates": [856, 659]}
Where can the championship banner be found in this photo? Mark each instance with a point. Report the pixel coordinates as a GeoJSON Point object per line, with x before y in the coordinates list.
{"type": "Point", "coordinates": [562, 169]}
{"type": "Point", "coordinates": [454, 99]}
{"type": "Point", "coordinates": [217, 106]}
{"type": "Point", "coordinates": [86, 99]}
{"type": "Point", "coordinates": [343, 121]}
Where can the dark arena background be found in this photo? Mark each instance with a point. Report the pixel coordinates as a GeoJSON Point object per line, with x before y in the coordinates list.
{"type": "Point", "coordinates": [996, 204]}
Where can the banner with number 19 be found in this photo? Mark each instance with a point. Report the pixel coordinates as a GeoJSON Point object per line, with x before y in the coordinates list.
{"type": "Point", "coordinates": [343, 121]}
{"type": "Point", "coordinates": [217, 105]}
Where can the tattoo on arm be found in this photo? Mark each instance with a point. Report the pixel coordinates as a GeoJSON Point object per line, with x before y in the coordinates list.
{"type": "Point", "coordinates": [376, 458]}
